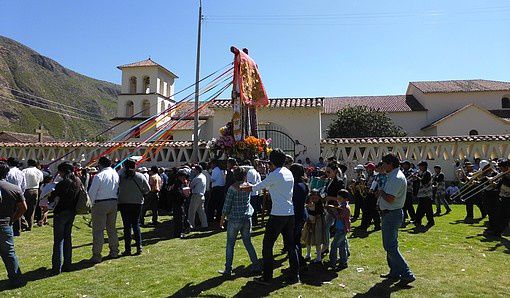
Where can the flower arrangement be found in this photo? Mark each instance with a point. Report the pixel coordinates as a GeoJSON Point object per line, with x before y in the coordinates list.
{"type": "Point", "coordinates": [249, 148]}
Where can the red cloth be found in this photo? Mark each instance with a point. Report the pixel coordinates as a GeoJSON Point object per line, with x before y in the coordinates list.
{"type": "Point", "coordinates": [247, 79]}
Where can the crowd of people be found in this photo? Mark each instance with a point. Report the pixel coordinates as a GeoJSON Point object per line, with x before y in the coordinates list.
{"type": "Point", "coordinates": [308, 204]}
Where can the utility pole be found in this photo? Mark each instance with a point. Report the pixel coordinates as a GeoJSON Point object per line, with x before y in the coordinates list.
{"type": "Point", "coordinates": [194, 155]}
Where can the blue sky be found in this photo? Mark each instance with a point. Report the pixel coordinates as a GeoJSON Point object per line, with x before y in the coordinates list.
{"type": "Point", "coordinates": [303, 48]}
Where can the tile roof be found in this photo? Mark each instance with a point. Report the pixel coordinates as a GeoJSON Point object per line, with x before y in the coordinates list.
{"type": "Point", "coordinates": [146, 62]}
{"type": "Point", "coordinates": [461, 86]}
{"type": "Point", "coordinates": [188, 107]}
{"type": "Point", "coordinates": [187, 124]}
{"type": "Point", "coordinates": [69, 144]}
{"type": "Point", "coordinates": [11, 136]}
{"type": "Point", "coordinates": [387, 103]}
{"type": "Point", "coordinates": [311, 102]}
{"type": "Point", "coordinates": [431, 139]}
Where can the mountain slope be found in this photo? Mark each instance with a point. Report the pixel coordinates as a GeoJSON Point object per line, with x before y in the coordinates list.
{"type": "Point", "coordinates": [88, 103]}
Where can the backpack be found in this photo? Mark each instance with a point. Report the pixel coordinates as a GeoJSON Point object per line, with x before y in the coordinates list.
{"type": "Point", "coordinates": [83, 203]}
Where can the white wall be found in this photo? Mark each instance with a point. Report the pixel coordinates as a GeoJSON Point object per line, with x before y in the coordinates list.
{"type": "Point", "coordinates": [472, 118]}
{"type": "Point", "coordinates": [139, 73]}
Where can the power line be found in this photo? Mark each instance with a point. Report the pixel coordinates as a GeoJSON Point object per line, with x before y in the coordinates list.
{"type": "Point", "coordinates": [52, 111]}
{"type": "Point", "coordinates": [34, 103]}
{"type": "Point", "coordinates": [53, 102]}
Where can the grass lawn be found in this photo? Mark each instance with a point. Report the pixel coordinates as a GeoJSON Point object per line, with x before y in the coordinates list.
{"type": "Point", "coordinates": [451, 259]}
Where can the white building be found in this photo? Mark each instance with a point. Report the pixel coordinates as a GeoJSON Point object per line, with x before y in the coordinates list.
{"type": "Point", "coordinates": [297, 125]}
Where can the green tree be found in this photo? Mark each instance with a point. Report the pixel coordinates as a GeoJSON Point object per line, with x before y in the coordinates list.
{"type": "Point", "coordinates": [363, 121]}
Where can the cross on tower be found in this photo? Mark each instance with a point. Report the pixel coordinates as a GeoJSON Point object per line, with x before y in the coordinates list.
{"type": "Point", "coordinates": [40, 131]}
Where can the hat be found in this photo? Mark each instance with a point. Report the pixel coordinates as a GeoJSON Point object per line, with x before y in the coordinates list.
{"type": "Point", "coordinates": [467, 163]}
{"type": "Point", "coordinates": [423, 163]}
{"type": "Point", "coordinates": [370, 166]}
{"type": "Point", "coordinates": [135, 158]}
{"type": "Point", "coordinates": [406, 162]}
{"type": "Point", "coordinates": [92, 170]}
{"type": "Point", "coordinates": [359, 167]}
{"type": "Point", "coordinates": [504, 163]}
{"type": "Point", "coordinates": [142, 169]}
{"type": "Point", "coordinates": [484, 163]}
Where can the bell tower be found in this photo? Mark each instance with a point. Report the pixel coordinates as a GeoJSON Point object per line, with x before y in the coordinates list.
{"type": "Point", "coordinates": [147, 89]}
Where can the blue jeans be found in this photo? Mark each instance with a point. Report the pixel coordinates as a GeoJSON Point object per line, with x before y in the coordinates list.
{"type": "Point", "coordinates": [8, 254]}
{"type": "Point", "coordinates": [340, 245]}
{"type": "Point", "coordinates": [233, 228]}
{"type": "Point", "coordinates": [391, 222]}
{"type": "Point", "coordinates": [62, 246]}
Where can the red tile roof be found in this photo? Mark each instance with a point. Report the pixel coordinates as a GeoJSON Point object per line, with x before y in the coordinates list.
{"type": "Point", "coordinates": [432, 139]}
{"type": "Point", "coordinates": [96, 144]}
{"type": "Point", "coordinates": [388, 103]}
{"type": "Point", "coordinates": [187, 124]}
{"type": "Point", "coordinates": [461, 86]}
{"type": "Point", "coordinates": [316, 102]}
{"type": "Point", "coordinates": [143, 63]}
{"type": "Point", "coordinates": [188, 107]}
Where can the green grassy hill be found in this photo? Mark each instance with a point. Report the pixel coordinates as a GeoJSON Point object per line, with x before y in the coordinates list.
{"type": "Point", "coordinates": [22, 68]}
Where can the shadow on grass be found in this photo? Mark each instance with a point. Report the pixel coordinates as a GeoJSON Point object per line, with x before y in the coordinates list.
{"type": "Point", "coordinates": [498, 242]}
{"type": "Point", "coordinates": [462, 221]}
{"type": "Point", "coordinates": [383, 289]}
{"type": "Point", "coordinates": [43, 272]}
{"type": "Point", "coordinates": [361, 233]}
{"type": "Point", "coordinates": [194, 290]}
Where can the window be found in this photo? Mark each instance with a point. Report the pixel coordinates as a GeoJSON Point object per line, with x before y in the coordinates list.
{"type": "Point", "coordinates": [146, 108]}
{"type": "Point", "coordinates": [161, 106]}
{"type": "Point", "coordinates": [160, 87]}
{"type": "Point", "coordinates": [130, 109]}
{"type": "Point", "coordinates": [473, 132]}
{"type": "Point", "coordinates": [505, 102]}
{"type": "Point", "coordinates": [132, 85]}
{"type": "Point", "coordinates": [146, 85]}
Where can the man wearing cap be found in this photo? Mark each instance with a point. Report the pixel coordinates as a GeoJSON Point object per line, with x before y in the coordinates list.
{"type": "Point", "coordinates": [424, 196]}
{"type": "Point", "coordinates": [473, 200]}
{"type": "Point", "coordinates": [439, 190]}
{"type": "Point", "coordinates": [392, 200]}
{"type": "Point", "coordinates": [408, 205]}
{"type": "Point", "coordinates": [103, 194]}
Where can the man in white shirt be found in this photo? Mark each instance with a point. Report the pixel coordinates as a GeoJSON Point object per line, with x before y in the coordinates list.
{"type": "Point", "coordinates": [253, 177]}
{"type": "Point", "coordinates": [196, 204]}
{"type": "Point", "coordinates": [280, 183]}
{"type": "Point", "coordinates": [33, 177]}
{"type": "Point", "coordinates": [214, 208]}
{"type": "Point", "coordinates": [103, 194]}
{"type": "Point", "coordinates": [16, 177]}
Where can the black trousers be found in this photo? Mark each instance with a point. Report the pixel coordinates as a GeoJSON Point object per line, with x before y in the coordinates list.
{"type": "Point", "coordinates": [151, 203]}
{"type": "Point", "coordinates": [471, 202]}
{"type": "Point", "coordinates": [130, 214]}
{"type": "Point", "coordinates": [256, 203]}
{"type": "Point", "coordinates": [409, 208]}
{"type": "Point", "coordinates": [504, 215]}
{"type": "Point", "coordinates": [358, 200]}
{"type": "Point", "coordinates": [179, 220]}
{"type": "Point", "coordinates": [493, 206]}
{"type": "Point", "coordinates": [424, 209]}
{"type": "Point", "coordinates": [215, 206]}
{"type": "Point", "coordinates": [275, 226]}
{"type": "Point", "coordinates": [370, 213]}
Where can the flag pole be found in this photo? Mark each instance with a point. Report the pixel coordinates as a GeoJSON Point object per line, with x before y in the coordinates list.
{"type": "Point", "coordinates": [194, 155]}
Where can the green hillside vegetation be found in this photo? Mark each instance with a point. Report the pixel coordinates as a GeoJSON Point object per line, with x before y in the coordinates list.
{"type": "Point", "coordinates": [22, 68]}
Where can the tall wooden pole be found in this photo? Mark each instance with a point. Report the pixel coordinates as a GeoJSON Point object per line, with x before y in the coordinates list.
{"type": "Point", "coordinates": [194, 155]}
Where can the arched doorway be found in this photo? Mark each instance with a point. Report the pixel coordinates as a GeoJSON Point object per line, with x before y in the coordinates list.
{"type": "Point", "coordinates": [280, 138]}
